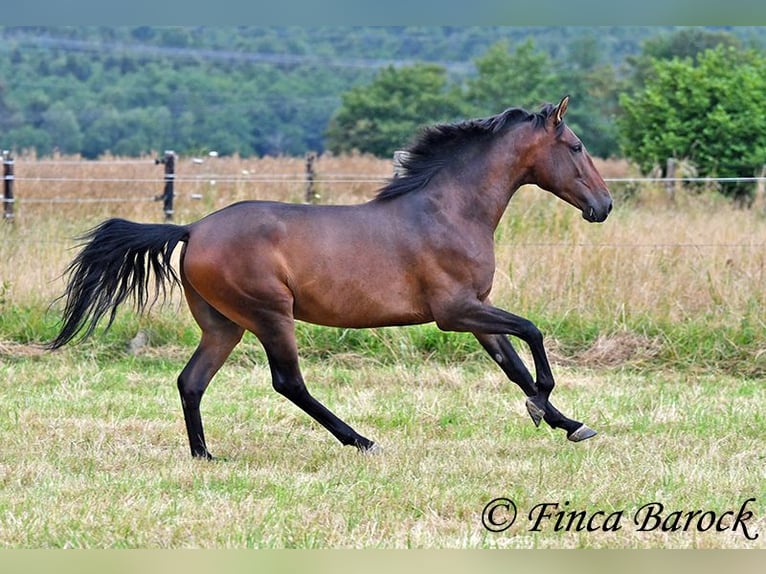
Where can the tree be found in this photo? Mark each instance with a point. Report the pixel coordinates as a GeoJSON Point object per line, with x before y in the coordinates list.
{"type": "Point", "coordinates": [103, 131]}
{"type": "Point", "coordinates": [27, 139]}
{"type": "Point", "coordinates": [9, 117]}
{"type": "Point", "coordinates": [525, 78]}
{"type": "Point", "coordinates": [384, 115]}
{"type": "Point", "coordinates": [63, 128]}
{"type": "Point", "coordinates": [709, 113]}
{"type": "Point", "coordinates": [594, 90]}
{"type": "Point", "coordinates": [679, 44]}
{"type": "Point", "coordinates": [528, 78]}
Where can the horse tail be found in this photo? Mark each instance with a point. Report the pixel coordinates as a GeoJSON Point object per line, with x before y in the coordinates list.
{"type": "Point", "coordinates": [117, 261]}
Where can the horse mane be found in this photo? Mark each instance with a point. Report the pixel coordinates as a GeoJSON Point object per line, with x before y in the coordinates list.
{"type": "Point", "coordinates": [436, 146]}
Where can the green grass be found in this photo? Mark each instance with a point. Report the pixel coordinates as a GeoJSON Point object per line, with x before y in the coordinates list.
{"type": "Point", "coordinates": [701, 344]}
{"type": "Point", "coordinates": [95, 455]}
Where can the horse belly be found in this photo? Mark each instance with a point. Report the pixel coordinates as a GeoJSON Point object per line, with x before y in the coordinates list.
{"type": "Point", "coordinates": [365, 298]}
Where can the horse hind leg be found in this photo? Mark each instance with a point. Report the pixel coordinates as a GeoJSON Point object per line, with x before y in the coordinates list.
{"type": "Point", "coordinates": [219, 337]}
{"type": "Point", "coordinates": [276, 331]}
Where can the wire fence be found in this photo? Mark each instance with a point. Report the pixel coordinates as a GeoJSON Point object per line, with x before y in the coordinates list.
{"type": "Point", "coordinates": [23, 188]}
{"type": "Point", "coordinates": [31, 185]}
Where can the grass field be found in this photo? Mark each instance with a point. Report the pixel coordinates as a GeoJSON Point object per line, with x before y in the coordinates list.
{"type": "Point", "coordinates": [95, 456]}
{"type": "Point", "coordinates": [654, 322]}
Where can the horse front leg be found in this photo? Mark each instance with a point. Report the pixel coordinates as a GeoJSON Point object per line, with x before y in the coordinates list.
{"type": "Point", "coordinates": [490, 325]}
{"type": "Point", "coordinates": [502, 352]}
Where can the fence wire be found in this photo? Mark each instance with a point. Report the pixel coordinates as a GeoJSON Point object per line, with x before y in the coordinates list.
{"type": "Point", "coordinates": [302, 178]}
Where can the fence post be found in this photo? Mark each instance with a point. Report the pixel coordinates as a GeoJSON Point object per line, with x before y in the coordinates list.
{"type": "Point", "coordinates": [670, 174]}
{"type": "Point", "coordinates": [8, 179]}
{"type": "Point", "coordinates": [400, 156]}
{"type": "Point", "coordinates": [311, 195]}
{"type": "Point", "coordinates": [169, 160]}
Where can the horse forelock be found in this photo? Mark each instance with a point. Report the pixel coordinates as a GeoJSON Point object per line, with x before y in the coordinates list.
{"type": "Point", "coordinates": [437, 145]}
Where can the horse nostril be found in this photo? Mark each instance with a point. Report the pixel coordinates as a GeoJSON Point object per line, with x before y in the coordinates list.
{"type": "Point", "coordinates": [609, 207]}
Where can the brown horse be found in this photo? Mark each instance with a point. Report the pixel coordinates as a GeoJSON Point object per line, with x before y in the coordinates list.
{"type": "Point", "coordinates": [422, 250]}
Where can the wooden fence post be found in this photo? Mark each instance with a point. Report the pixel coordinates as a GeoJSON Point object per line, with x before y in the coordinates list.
{"type": "Point", "coordinates": [8, 179]}
{"type": "Point", "coordinates": [670, 174]}
{"type": "Point", "coordinates": [169, 160]}
{"type": "Point", "coordinates": [311, 195]}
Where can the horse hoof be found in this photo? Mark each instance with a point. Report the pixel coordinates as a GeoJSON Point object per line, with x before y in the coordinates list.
{"type": "Point", "coordinates": [535, 412]}
{"type": "Point", "coordinates": [203, 456]}
{"type": "Point", "coordinates": [583, 432]}
{"type": "Point", "coordinates": [373, 449]}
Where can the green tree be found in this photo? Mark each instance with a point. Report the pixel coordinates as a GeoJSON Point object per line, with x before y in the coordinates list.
{"type": "Point", "coordinates": [709, 113]}
{"type": "Point", "coordinates": [677, 44]}
{"type": "Point", "coordinates": [592, 85]}
{"type": "Point", "coordinates": [28, 139]}
{"type": "Point", "coordinates": [524, 78]}
{"type": "Point", "coordinates": [103, 131]}
{"type": "Point", "coordinates": [527, 78]}
{"type": "Point", "coordinates": [63, 128]}
{"type": "Point", "coordinates": [384, 115]}
{"type": "Point", "coordinates": [9, 116]}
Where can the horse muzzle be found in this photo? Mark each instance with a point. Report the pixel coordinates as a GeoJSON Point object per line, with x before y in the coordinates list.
{"type": "Point", "coordinates": [597, 211]}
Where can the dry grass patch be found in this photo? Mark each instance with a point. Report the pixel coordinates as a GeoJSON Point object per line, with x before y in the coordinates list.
{"type": "Point", "coordinates": [620, 348]}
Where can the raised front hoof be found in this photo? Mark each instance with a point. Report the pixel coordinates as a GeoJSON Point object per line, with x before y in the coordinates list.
{"type": "Point", "coordinates": [581, 433]}
{"type": "Point", "coordinates": [535, 412]}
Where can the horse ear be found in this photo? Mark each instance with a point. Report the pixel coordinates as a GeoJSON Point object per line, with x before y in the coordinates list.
{"type": "Point", "coordinates": [561, 109]}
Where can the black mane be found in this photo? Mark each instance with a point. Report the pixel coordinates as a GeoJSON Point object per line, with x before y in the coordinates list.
{"type": "Point", "coordinates": [437, 145]}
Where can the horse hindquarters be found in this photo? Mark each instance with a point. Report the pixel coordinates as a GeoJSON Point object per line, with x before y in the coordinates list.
{"type": "Point", "coordinates": [261, 303]}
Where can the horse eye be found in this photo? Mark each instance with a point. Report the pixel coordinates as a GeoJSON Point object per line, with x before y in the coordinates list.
{"type": "Point", "coordinates": [576, 148]}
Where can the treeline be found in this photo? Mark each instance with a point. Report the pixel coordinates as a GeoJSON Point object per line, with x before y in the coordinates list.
{"type": "Point", "coordinates": [258, 91]}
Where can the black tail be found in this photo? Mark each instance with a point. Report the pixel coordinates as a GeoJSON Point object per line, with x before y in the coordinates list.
{"type": "Point", "coordinates": [115, 263]}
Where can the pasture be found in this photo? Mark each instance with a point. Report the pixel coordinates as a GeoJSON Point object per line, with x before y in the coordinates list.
{"type": "Point", "coordinates": [654, 323]}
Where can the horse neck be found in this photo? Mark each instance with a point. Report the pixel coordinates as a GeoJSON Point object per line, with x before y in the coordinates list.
{"type": "Point", "coordinates": [481, 188]}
